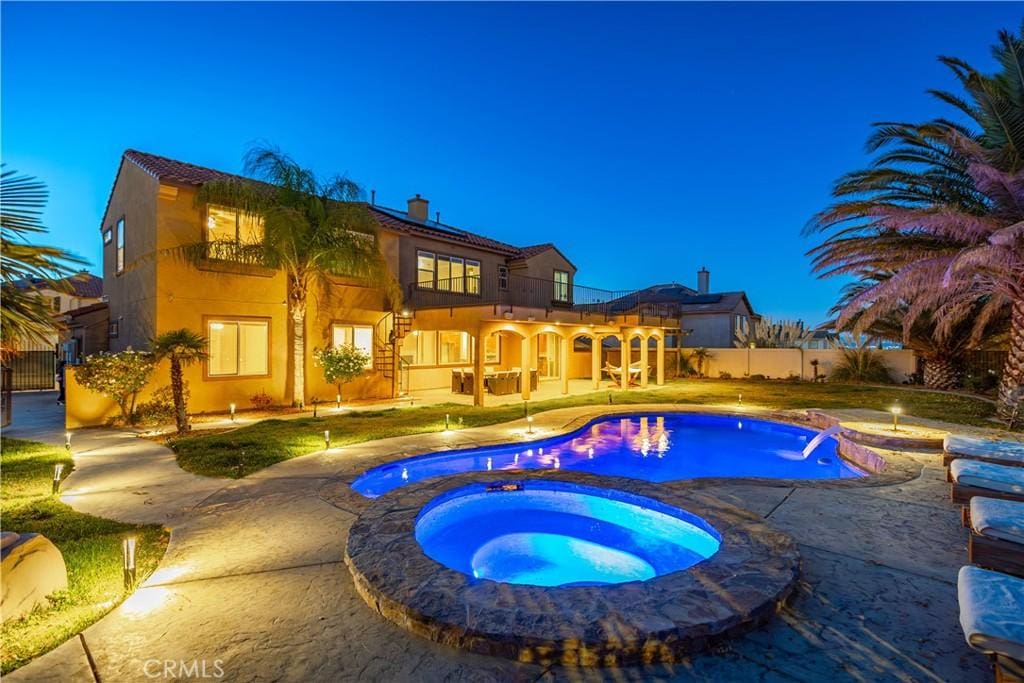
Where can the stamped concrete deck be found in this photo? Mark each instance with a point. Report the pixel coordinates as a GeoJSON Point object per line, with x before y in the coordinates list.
{"type": "Point", "coordinates": [254, 585]}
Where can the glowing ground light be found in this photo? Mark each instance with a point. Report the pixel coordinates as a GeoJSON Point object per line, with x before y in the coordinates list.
{"type": "Point", "coordinates": [896, 412]}
{"type": "Point", "coordinates": [128, 561]}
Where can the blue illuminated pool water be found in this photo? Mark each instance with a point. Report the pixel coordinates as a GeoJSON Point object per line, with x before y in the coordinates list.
{"type": "Point", "coordinates": [549, 533]}
{"type": "Point", "coordinates": [655, 448]}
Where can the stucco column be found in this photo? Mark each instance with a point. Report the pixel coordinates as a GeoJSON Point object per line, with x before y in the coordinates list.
{"type": "Point", "coordinates": [625, 358]}
{"type": "Point", "coordinates": [595, 361]}
{"type": "Point", "coordinates": [526, 363]}
{"type": "Point", "coordinates": [563, 362]}
{"type": "Point", "coordinates": [478, 370]}
{"type": "Point", "coordinates": [660, 357]}
{"type": "Point", "coordinates": [644, 356]}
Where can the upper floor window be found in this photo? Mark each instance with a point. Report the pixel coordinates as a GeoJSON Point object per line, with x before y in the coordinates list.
{"type": "Point", "coordinates": [359, 336]}
{"type": "Point", "coordinates": [55, 304]}
{"type": "Point", "coordinates": [232, 234]}
{"type": "Point", "coordinates": [425, 269]}
{"type": "Point", "coordinates": [120, 245]}
{"type": "Point", "coordinates": [503, 277]}
{"type": "Point", "coordinates": [447, 273]}
{"type": "Point", "coordinates": [239, 348]}
{"type": "Point", "coordinates": [108, 236]}
{"type": "Point", "coordinates": [561, 292]}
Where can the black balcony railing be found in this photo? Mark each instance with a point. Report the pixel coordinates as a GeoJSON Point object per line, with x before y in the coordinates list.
{"type": "Point", "coordinates": [520, 291]}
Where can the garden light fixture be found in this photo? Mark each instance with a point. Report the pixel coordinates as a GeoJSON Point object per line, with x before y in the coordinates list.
{"type": "Point", "coordinates": [327, 439]}
{"type": "Point", "coordinates": [58, 470]}
{"type": "Point", "coordinates": [128, 558]}
{"type": "Point", "coordinates": [896, 412]}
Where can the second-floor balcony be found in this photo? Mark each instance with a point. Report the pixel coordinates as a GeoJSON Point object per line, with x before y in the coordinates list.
{"type": "Point", "coordinates": [511, 292]}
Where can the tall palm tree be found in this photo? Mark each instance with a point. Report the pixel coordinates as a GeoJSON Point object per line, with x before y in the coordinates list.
{"type": "Point", "coordinates": [24, 314]}
{"type": "Point", "coordinates": [941, 213]}
{"type": "Point", "coordinates": [313, 229]}
{"type": "Point", "coordinates": [180, 347]}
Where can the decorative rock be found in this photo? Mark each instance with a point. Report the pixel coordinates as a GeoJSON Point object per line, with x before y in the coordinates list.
{"type": "Point", "coordinates": [31, 568]}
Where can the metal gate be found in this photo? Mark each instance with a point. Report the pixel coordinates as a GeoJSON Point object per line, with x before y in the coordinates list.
{"type": "Point", "coordinates": [5, 396]}
{"type": "Point", "coordinates": [33, 370]}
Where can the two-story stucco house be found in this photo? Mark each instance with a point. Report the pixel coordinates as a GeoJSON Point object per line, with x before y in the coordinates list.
{"type": "Point", "coordinates": [472, 307]}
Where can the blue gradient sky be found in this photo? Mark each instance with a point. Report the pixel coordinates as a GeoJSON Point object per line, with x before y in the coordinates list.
{"type": "Point", "coordinates": [646, 140]}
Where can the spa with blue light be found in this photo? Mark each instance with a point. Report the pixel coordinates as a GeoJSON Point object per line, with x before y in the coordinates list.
{"type": "Point", "coordinates": [550, 533]}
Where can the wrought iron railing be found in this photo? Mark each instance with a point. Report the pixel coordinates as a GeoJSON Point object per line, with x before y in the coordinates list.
{"type": "Point", "coordinates": [510, 290]}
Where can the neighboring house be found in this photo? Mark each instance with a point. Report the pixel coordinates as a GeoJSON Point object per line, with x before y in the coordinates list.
{"type": "Point", "coordinates": [821, 339]}
{"type": "Point", "coordinates": [86, 332]}
{"type": "Point", "coordinates": [35, 365]}
{"type": "Point", "coordinates": [462, 291]}
{"type": "Point", "coordinates": [705, 318]}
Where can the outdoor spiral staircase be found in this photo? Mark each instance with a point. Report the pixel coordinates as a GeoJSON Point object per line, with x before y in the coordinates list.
{"type": "Point", "coordinates": [391, 330]}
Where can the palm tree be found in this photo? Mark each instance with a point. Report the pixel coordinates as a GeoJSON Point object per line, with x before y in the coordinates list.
{"type": "Point", "coordinates": [700, 356]}
{"type": "Point", "coordinates": [313, 229]}
{"type": "Point", "coordinates": [941, 213]}
{"type": "Point", "coordinates": [180, 347]}
{"type": "Point", "coordinates": [24, 314]}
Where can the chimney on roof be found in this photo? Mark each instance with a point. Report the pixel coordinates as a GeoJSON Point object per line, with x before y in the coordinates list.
{"type": "Point", "coordinates": [418, 208]}
{"type": "Point", "coordinates": [703, 281]}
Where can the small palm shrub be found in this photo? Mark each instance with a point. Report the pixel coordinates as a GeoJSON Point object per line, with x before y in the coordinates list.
{"type": "Point", "coordinates": [861, 365]}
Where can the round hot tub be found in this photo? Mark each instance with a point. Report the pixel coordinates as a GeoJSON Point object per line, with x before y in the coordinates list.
{"type": "Point", "coordinates": [547, 533]}
{"type": "Point", "coordinates": [582, 570]}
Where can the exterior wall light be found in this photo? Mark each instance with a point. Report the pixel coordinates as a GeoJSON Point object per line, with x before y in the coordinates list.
{"type": "Point", "coordinates": [128, 562]}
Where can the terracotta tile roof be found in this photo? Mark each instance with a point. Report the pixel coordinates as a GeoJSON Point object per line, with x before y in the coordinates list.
{"type": "Point", "coordinates": [85, 285]}
{"type": "Point", "coordinates": [399, 221]}
{"type": "Point", "coordinates": [173, 170]}
{"type": "Point", "coordinates": [177, 171]}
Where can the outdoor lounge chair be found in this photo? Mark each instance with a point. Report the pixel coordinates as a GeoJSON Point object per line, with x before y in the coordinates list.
{"type": "Point", "coordinates": [456, 381]}
{"type": "Point", "coordinates": [990, 616]}
{"type": "Point", "coordinates": [997, 536]}
{"type": "Point", "coordinates": [1001, 452]}
{"type": "Point", "coordinates": [973, 478]}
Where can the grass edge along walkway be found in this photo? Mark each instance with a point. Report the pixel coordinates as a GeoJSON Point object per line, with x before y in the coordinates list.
{"type": "Point", "coordinates": [239, 452]}
{"type": "Point", "coordinates": [91, 546]}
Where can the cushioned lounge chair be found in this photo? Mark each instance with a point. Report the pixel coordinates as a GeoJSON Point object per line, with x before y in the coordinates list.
{"type": "Point", "coordinates": [973, 478]}
{"type": "Point", "coordinates": [990, 616]}
{"type": "Point", "coordinates": [1001, 452]}
{"type": "Point", "coordinates": [997, 536]}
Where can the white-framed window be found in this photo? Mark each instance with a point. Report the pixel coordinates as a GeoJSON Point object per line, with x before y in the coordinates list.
{"type": "Point", "coordinates": [226, 224]}
{"type": "Point", "coordinates": [472, 276]}
{"type": "Point", "coordinates": [561, 291]}
{"type": "Point", "coordinates": [120, 245]}
{"type": "Point", "coordinates": [447, 347]}
{"type": "Point", "coordinates": [108, 236]}
{"type": "Point", "coordinates": [238, 348]}
{"type": "Point", "coordinates": [359, 336]}
{"type": "Point", "coordinates": [113, 329]}
{"type": "Point", "coordinates": [454, 346]}
{"type": "Point", "coordinates": [425, 269]}
{"type": "Point", "coordinates": [492, 349]}
{"type": "Point", "coordinates": [503, 278]}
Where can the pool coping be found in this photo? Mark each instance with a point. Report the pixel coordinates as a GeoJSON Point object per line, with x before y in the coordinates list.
{"type": "Point", "coordinates": [884, 470]}
{"type": "Point", "coordinates": [660, 620]}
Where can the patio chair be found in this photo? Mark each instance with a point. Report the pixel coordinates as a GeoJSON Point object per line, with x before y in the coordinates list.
{"type": "Point", "coordinates": [468, 377]}
{"type": "Point", "coordinates": [614, 372]}
{"type": "Point", "coordinates": [990, 609]}
{"type": "Point", "coordinates": [973, 478]}
{"type": "Point", "coordinates": [998, 451]}
{"type": "Point", "coordinates": [997, 535]}
{"type": "Point", "coordinates": [456, 381]}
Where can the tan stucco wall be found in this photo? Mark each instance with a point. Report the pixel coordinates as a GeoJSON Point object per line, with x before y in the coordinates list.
{"type": "Point", "coordinates": [780, 363]}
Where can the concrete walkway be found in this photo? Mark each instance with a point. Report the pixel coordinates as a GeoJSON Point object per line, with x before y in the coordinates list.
{"type": "Point", "coordinates": [253, 584]}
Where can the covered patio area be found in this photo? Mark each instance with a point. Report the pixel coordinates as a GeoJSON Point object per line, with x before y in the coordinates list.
{"type": "Point", "coordinates": [509, 360]}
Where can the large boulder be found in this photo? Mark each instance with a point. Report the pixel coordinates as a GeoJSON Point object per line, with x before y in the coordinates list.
{"type": "Point", "coordinates": [31, 568]}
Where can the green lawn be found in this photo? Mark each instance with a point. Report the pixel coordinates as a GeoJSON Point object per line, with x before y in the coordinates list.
{"type": "Point", "coordinates": [91, 547]}
{"type": "Point", "coordinates": [242, 451]}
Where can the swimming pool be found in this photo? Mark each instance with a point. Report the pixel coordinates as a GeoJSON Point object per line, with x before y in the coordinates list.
{"type": "Point", "coordinates": [550, 533]}
{"type": "Point", "coordinates": [653, 448]}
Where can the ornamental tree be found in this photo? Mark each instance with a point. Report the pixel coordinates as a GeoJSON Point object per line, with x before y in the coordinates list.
{"type": "Point", "coordinates": [119, 376]}
{"type": "Point", "coordinates": [341, 364]}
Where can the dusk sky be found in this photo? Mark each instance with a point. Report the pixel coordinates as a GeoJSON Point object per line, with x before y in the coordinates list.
{"type": "Point", "coordinates": [645, 140]}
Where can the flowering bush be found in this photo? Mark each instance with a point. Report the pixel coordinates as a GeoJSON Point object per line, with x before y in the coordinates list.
{"type": "Point", "coordinates": [119, 376]}
{"type": "Point", "coordinates": [341, 364]}
{"type": "Point", "coordinates": [261, 400]}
